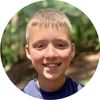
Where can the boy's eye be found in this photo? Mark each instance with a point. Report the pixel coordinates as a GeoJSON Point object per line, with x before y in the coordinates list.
{"type": "Point", "coordinates": [39, 46]}
{"type": "Point", "coordinates": [61, 45]}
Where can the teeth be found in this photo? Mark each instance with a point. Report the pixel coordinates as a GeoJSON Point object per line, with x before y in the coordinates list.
{"type": "Point", "coordinates": [52, 65]}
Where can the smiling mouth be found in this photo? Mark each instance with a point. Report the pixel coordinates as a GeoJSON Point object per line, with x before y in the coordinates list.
{"type": "Point", "coordinates": [52, 65]}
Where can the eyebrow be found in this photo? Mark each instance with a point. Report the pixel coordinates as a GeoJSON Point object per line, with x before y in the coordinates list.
{"type": "Point", "coordinates": [39, 41]}
{"type": "Point", "coordinates": [61, 40]}
{"type": "Point", "coordinates": [45, 41]}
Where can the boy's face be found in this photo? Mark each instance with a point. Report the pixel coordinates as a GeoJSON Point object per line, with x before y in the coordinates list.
{"type": "Point", "coordinates": [50, 51]}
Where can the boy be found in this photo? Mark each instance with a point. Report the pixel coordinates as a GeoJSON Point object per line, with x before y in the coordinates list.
{"type": "Point", "coordinates": [50, 49]}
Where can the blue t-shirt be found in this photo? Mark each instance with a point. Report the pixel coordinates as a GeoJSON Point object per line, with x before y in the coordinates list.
{"type": "Point", "coordinates": [70, 87]}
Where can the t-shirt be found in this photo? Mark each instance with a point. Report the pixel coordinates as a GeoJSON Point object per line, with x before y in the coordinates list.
{"type": "Point", "coordinates": [70, 87]}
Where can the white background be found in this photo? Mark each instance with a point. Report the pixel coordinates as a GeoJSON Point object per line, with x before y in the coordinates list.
{"type": "Point", "coordinates": [8, 8]}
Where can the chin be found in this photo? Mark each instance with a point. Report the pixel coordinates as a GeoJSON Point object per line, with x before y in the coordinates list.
{"type": "Point", "coordinates": [51, 76]}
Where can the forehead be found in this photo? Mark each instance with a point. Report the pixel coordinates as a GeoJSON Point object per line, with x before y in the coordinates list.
{"type": "Point", "coordinates": [37, 32]}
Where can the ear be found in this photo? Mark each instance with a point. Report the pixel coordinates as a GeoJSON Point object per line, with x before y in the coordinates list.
{"type": "Point", "coordinates": [27, 52]}
{"type": "Point", "coordinates": [73, 50]}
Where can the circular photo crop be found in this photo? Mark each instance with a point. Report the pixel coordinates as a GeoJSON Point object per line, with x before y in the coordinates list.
{"type": "Point", "coordinates": [50, 50]}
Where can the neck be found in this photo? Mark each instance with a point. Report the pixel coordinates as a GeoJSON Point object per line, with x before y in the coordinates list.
{"type": "Point", "coordinates": [50, 85]}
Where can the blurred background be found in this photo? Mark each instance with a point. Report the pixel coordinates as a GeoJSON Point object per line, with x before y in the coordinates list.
{"type": "Point", "coordinates": [20, 70]}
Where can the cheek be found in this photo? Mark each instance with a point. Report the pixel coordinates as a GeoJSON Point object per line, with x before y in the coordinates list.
{"type": "Point", "coordinates": [66, 55]}
{"type": "Point", "coordinates": [36, 57]}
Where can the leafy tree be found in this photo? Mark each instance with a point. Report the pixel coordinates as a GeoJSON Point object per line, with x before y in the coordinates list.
{"type": "Point", "coordinates": [13, 39]}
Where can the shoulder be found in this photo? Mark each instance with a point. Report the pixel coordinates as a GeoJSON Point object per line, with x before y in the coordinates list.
{"type": "Point", "coordinates": [31, 89]}
{"type": "Point", "coordinates": [29, 86]}
{"type": "Point", "coordinates": [73, 84]}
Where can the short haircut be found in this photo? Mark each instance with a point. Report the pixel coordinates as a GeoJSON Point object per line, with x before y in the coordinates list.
{"type": "Point", "coordinates": [49, 17]}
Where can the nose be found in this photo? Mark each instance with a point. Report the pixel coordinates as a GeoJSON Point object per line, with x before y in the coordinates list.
{"type": "Point", "coordinates": [51, 52]}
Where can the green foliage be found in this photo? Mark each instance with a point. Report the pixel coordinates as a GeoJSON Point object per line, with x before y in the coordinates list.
{"type": "Point", "coordinates": [13, 39]}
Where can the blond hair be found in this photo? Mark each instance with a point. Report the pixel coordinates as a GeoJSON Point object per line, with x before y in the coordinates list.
{"type": "Point", "coordinates": [49, 17]}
